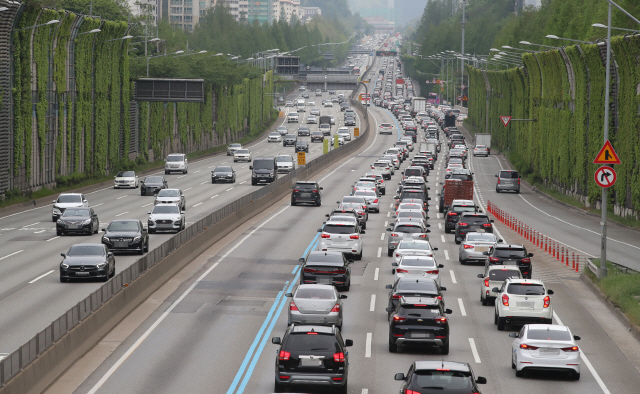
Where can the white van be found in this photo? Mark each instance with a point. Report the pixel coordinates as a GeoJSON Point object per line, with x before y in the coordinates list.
{"type": "Point", "coordinates": [176, 162]}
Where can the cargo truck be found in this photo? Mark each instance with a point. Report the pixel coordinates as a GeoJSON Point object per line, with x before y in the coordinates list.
{"type": "Point", "coordinates": [454, 189]}
{"type": "Point", "coordinates": [484, 139]}
{"type": "Point", "coordinates": [418, 104]}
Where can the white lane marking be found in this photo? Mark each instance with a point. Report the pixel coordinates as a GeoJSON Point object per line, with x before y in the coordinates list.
{"type": "Point", "coordinates": [242, 182]}
{"type": "Point", "coordinates": [224, 162]}
{"type": "Point", "coordinates": [51, 239]}
{"type": "Point", "coordinates": [446, 255]}
{"type": "Point", "coordinates": [121, 197]}
{"type": "Point", "coordinates": [379, 251]}
{"type": "Point", "coordinates": [367, 352]}
{"type": "Point", "coordinates": [196, 205]}
{"type": "Point", "coordinates": [166, 313]}
{"type": "Point", "coordinates": [189, 188]}
{"type": "Point", "coordinates": [201, 184]}
{"type": "Point", "coordinates": [123, 213]}
{"type": "Point", "coordinates": [97, 205]}
{"type": "Point", "coordinates": [476, 356]}
{"type": "Point", "coordinates": [390, 205]}
{"type": "Point", "coordinates": [386, 223]}
{"type": "Point", "coordinates": [382, 237]}
{"type": "Point", "coordinates": [229, 189]}
{"type": "Point", "coordinates": [584, 358]}
{"type": "Point", "coordinates": [364, 391]}
{"type": "Point", "coordinates": [41, 231]}
{"type": "Point", "coordinates": [12, 254]}
{"type": "Point", "coordinates": [439, 226]}
{"type": "Point", "coordinates": [41, 276]}
{"type": "Point", "coordinates": [388, 214]}
{"type": "Point", "coordinates": [376, 273]}
{"type": "Point", "coordinates": [442, 238]}
{"type": "Point", "coordinates": [437, 216]}
{"type": "Point", "coordinates": [214, 196]}
{"type": "Point", "coordinates": [181, 176]}
{"type": "Point", "coordinates": [453, 277]}
{"type": "Point", "coordinates": [197, 171]}
{"type": "Point", "coordinates": [463, 312]}
{"type": "Point", "coordinates": [29, 225]}
{"type": "Point", "coordinates": [372, 305]}
{"type": "Point", "coordinates": [146, 205]}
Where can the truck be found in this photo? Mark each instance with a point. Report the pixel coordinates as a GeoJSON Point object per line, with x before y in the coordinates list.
{"type": "Point", "coordinates": [418, 104]}
{"type": "Point", "coordinates": [484, 139]}
{"type": "Point", "coordinates": [454, 189]}
{"type": "Point", "coordinates": [325, 120]}
{"type": "Point", "coordinates": [449, 120]}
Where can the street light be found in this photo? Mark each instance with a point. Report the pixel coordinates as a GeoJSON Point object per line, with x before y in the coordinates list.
{"type": "Point", "coordinates": [540, 45]}
{"type": "Point", "coordinates": [567, 39]}
{"type": "Point", "coordinates": [51, 22]}
{"type": "Point", "coordinates": [3, 9]}
{"type": "Point", "coordinates": [518, 49]}
{"type": "Point", "coordinates": [614, 28]}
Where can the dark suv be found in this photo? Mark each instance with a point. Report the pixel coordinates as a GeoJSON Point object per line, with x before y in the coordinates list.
{"type": "Point", "coordinates": [263, 170]}
{"type": "Point", "coordinates": [419, 321]}
{"type": "Point", "coordinates": [413, 287]}
{"type": "Point", "coordinates": [452, 216]}
{"type": "Point", "coordinates": [312, 356]}
{"type": "Point", "coordinates": [328, 268]}
{"type": "Point", "coordinates": [471, 222]}
{"type": "Point", "coordinates": [306, 192]}
{"type": "Point", "coordinates": [502, 254]}
{"type": "Point", "coordinates": [443, 376]}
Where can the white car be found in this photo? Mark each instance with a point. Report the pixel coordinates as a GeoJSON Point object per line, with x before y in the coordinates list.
{"type": "Point", "coordinates": [176, 162]}
{"type": "Point", "coordinates": [328, 104]}
{"type": "Point", "coordinates": [311, 103]}
{"type": "Point", "coordinates": [282, 130]}
{"type": "Point", "coordinates": [339, 236]}
{"type": "Point", "coordinates": [274, 137]}
{"type": "Point", "coordinates": [292, 117]}
{"type": "Point", "coordinates": [412, 247]}
{"type": "Point", "coordinates": [480, 150]}
{"type": "Point", "coordinates": [494, 276]}
{"type": "Point", "coordinates": [543, 347]}
{"type": "Point", "coordinates": [126, 179]}
{"type": "Point", "coordinates": [409, 142]}
{"type": "Point", "coordinates": [383, 167]}
{"type": "Point", "coordinates": [522, 301]}
{"type": "Point", "coordinates": [371, 197]}
{"type": "Point", "coordinates": [451, 167]}
{"type": "Point", "coordinates": [242, 155]}
{"type": "Point", "coordinates": [285, 163]}
{"type": "Point", "coordinates": [422, 266]}
{"type": "Point", "coordinates": [67, 200]}
{"type": "Point", "coordinates": [312, 119]}
{"type": "Point", "coordinates": [232, 148]}
{"type": "Point", "coordinates": [344, 133]}
{"type": "Point", "coordinates": [165, 217]}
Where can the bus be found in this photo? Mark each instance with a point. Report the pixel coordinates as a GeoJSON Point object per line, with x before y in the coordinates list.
{"type": "Point", "coordinates": [356, 70]}
{"type": "Point", "coordinates": [433, 98]}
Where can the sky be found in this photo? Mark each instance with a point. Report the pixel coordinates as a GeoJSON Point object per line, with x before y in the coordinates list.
{"type": "Point", "coordinates": [405, 10]}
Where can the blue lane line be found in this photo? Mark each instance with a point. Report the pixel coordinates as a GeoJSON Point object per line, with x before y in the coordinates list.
{"type": "Point", "coordinates": [295, 269]}
{"type": "Point", "coordinates": [308, 249]}
{"type": "Point", "coordinates": [395, 120]}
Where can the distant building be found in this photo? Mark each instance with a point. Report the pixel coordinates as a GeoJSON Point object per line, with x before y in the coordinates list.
{"type": "Point", "coordinates": [145, 7]}
{"type": "Point", "coordinates": [285, 9]}
{"type": "Point", "coordinates": [239, 9]}
{"type": "Point", "coordinates": [308, 13]}
{"type": "Point", "coordinates": [381, 25]}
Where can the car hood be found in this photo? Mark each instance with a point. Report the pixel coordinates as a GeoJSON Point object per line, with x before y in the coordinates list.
{"type": "Point", "coordinates": [167, 200]}
{"type": "Point", "coordinates": [242, 154]}
{"type": "Point", "coordinates": [68, 205]}
{"type": "Point", "coordinates": [125, 178]}
{"type": "Point", "coordinates": [164, 216]}
{"type": "Point", "coordinates": [74, 218]}
{"type": "Point", "coordinates": [221, 173]}
{"type": "Point", "coordinates": [122, 234]}
{"type": "Point", "coordinates": [152, 184]}
{"type": "Point", "coordinates": [84, 260]}
{"type": "Point", "coordinates": [285, 164]}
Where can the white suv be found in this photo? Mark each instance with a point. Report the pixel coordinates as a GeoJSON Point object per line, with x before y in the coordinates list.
{"type": "Point", "coordinates": [383, 167]}
{"type": "Point", "coordinates": [176, 162]}
{"type": "Point", "coordinates": [494, 276]}
{"type": "Point", "coordinates": [522, 301]}
{"type": "Point", "coordinates": [341, 236]}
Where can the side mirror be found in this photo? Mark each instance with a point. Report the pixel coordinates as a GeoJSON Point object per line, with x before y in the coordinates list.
{"type": "Point", "coordinates": [577, 338]}
{"type": "Point", "coordinates": [485, 253]}
{"type": "Point", "coordinates": [389, 309]}
{"type": "Point", "coordinates": [440, 265]}
{"type": "Point", "coordinates": [54, 201]}
{"type": "Point", "coordinates": [327, 215]}
{"type": "Point", "coordinates": [399, 376]}
{"type": "Point", "coordinates": [362, 232]}
{"type": "Point", "coordinates": [110, 254]}
{"type": "Point", "coordinates": [427, 225]}
{"type": "Point", "coordinates": [481, 276]}
{"type": "Point", "coordinates": [395, 197]}
{"type": "Point", "coordinates": [291, 186]}
{"type": "Point", "coordinates": [500, 240]}
{"type": "Point", "coordinates": [301, 259]}
{"type": "Point", "coordinates": [428, 198]}
{"type": "Point", "coordinates": [343, 296]}
{"type": "Point", "coordinates": [448, 311]}
{"type": "Point", "coordinates": [104, 230]}
{"type": "Point", "coordinates": [514, 335]}
{"type": "Point", "coordinates": [251, 167]}
{"type": "Point", "coordinates": [550, 292]}
{"type": "Point", "coordinates": [459, 239]}
{"type": "Point", "coordinates": [84, 201]}
{"type": "Point", "coordinates": [428, 231]}
{"type": "Point", "coordinates": [389, 229]}
{"type": "Point", "coordinates": [491, 220]}
{"type": "Point", "coordinates": [481, 380]}
{"type": "Point", "coordinates": [496, 290]}
{"type": "Point", "coordinates": [319, 230]}
{"type": "Point", "coordinates": [530, 255]}
{"type": "Point", "coordinates": [288, 295]}
{"type": "Point", "coordinates": [394, 264]}
{"type": "Point", "coordinates": [348, 342]}
{"type": "Point", "coordinates": [149, 213]}
{"type": "Point", "coordinates": [349, 261]}
{"type": "Point", "coordinates": [275, 340]}
{"type": "Point", "coordinates": [388, 287]}
{"type": "Point", "coordinates": [63, 254]}
{"type": "Point", "coordinates": [443, 288]}
{"type": "Point", "coordinates": [496, 175]}
{"type": "Point", "coordinates": [321, 188]}
{"type": "Point", "coordinates": [337, 202]}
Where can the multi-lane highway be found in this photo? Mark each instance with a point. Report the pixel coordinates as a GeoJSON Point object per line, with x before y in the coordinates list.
{"type": "Point", "coordinates": [213, 333]}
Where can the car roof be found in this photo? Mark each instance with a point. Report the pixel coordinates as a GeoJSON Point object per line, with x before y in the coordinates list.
{"type": "Point", "coordinates": [441, 364]}
{"type": "Point", "coordinates": [305, 182]}
{"type": "Point", "coordinates": [549, 327]}
{"type": "Point", "coordinates": [336, 221]}
{"type": "Point", "coordinates": [408, 222]}
{"type": "Point", "coordinates": [475, 214]}
{"type": "Point", "coordinates": [70, 194]}
{"type": "Point", "coordinates": [462, 202]}
{"type": "Point", "coordinates": [509, 246]}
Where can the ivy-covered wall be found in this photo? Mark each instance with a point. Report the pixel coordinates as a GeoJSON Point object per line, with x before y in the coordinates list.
{"type": "Point", "coordinates": [565, 93]}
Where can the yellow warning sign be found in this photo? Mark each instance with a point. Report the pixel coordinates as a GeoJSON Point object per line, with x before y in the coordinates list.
{"type": "Point", "coordinates": [281, 114]}
{"type": "Point", "coordinates": [302, 158]}
{"type": "Point", "coordinates": [356, 131]}
{"type": "Point", "coordinates": [607, 155]}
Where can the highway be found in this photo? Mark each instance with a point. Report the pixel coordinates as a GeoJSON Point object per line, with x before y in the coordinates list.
{"type": "Point", "coordinates": [212, 334]}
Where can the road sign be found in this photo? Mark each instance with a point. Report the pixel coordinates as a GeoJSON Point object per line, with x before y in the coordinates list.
{"type": "Point", "coordinates": [302, 158]}
{"type": "Point", "coordinates": [336, 144]}
{"type": "Point", "coordinates": [356, 131]}
{"type": "Point", "coordinates": [607, 155]}
{"type": "Point", "coordinates": [462, 86]}
{"type": "Point", "coordinates": [465, 98]}
{"type": "Point", "coordinates": [459, 98]}
{"type": "Point", "coordinates": [605, 176]}
{"type": "Point", "coordinates": [505, 120]}
{"type": "Point", "coordinates": [325, 146]}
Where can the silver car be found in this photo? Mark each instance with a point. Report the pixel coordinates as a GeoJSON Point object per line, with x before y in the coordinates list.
{"type": "Point", "coordinates": [285, 163]}
{"type": "Point", "coordinates": [423, 266]}
{"type": "Point", "coordinates": [365, 185]}
{"type": "Point", "coordinates": [171, 196]}
{"type": "Point", "coordinates": [384, 167]}
{"type": "Point", "coordinates": [406, 229]}
{"type": "Point", "coordinates": [474, 245]}
{"type": "Point", "coordinates": [339, 236]}
{"type": "Point", "coordinates": [67, 200]}
{"type": "Point", "coordinates": [242, 155]}
{"type": "Point", "coordinates": [508, 181]}
{"type": "Point", "coordinates": [316, 304]}
{"type": "Point", "coordinates": [373, 202]}
{"type": "Point", "coordinates": [176, 162]}
{"type": "Point", "coordinates": [409, 214]}
{"type": "Point", "coordinates": [126, 179]}
{"type": "Point", "coordinates": [274, 136]}
{"type": "Point", "coordinates": [377, 177]}
{"type": "Point", "coordinates": [232, 148]}
{"type": "Point", "coordinates": [494, 276]}
{"type": "Point", "coordinates": [412, 247]}
{"type": "Point", "coordinates": [166, 217]}
{"type": "Point", "coordinates": [282, 130]}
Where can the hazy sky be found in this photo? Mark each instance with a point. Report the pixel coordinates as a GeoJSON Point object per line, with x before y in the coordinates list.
{"type": "Point", "coordinates": [405, 10]}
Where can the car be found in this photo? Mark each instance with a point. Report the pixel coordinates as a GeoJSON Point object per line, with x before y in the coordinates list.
{"type": "Point", "coordinates": [480, 150]}
{"type": "Point", "coordinates": [282, 130]}
{"type": "Point", "coordinates": [304, 131]}
{"type": "Point", "coordinates": [311, 103]}
{"type": "Point", "coordinates": [315, 304]}
{"type": "Point", "coordinates": [152, 184]}
{"type": "Point", "coordinates": [319, 360]}
{"type": "Point", "coordinates": [166, 217]}
{"type": "Point", "coordinates": [343, 212]}
{"type": "Point", "coordinates": [385, 128]}
{"type": "Point", "coordinates": [441, 377]}
{"type": "Point", "coordinates": [423, 266]}
{"type": "Point", "coordinates": [273, 137]}
{"type": "Point", "coordinates": [474, 245]}
{"type": "Point", "coordinates": [318, 92]}
{"type": "Point", "coordinates": [419, 321]}
{"type": "Point", "coordinates": [305, 95]}
{"type": "Point", "coordinates": [344, 132]}
{"type": "Point", "coordinates": [65, 201]}
{"type": "Point", "coordinates": [384, 168]}
{"type": "Point", "coordinates": [545, 347]}
{"type": "Point", "coordinates": [415, 171]}
{"type": "Point", "coordinates": [363, 214]}
{"type": "Point", "coordinates": [171, 196]}
{"type": "Point", "coordinates": [289, 104]}
{"type": "Point", "coordinates": [456, 209]}
{"type": "Point", "coordinates": [312, 119]}
{"type": "Point", "coordinates": [350, 121]}
{"type": "Point", "coordinates": [371, 197]}
{"type": "Point", "coordinates": [415, 287]}
{"type": "Point", "coordinates": [508, 254]}
{"type": "Point", "coordinates": [302, 146]}
{"type": "Point", "coordinates": [285, 163]}
{"type": "Point", "coordinates": [365, 185]}
{"type": "Point", "coordinates": [328, 104]}
{"type": "Point", "coordinates": [176, 162]}
{"type": "Point", "coordinates": [126, 179]}
{"type": "Point", "coordinates": [334, 100]}
{"type": "Point", "coordinates": [332, 120]}
{"type": "Point", "coordinates": [223, 174]}
{"type": "Point", "coordinates": [306, 192]}
{"type": "Point", "coordinates": [243, 155]}
{"type": "Point", "coordinates": [292, 117]}
{"type": "Point", "coordinates": [508, 181]}
{"type": "Point", "coordinates": [494, 276]}
{"type": "Point", "coordinates": [412, 247]}
{"type": "Point", "coordinates": [344, 105]}
{"type": "Point", "coordinates": [289, 139]}
{"type": "Point", "coordinates": [126, 235]}
{"type": "Point", "coordinates": [232, 148]}
{"type": "Point", "coordinates": [378, 179]}
{"type": "Point", "coordinates": [80, 220]}
{"type": "Point", "coordinates": [412, 194]}
{"type": "Point", "coordinates": [405, 230]}
{"type": "Point", "coordinates": [522, 301]}
{"type": "Point", "coordinates": [314, 112]}
{"type": "Point", "coordinates": [302, 88]}
{"type": "Point", "coordinates": [325, 128]}
{"type": "Point", "coordinates": [410, 214]}
{"type": "Point", "coordinates": [317, 136]}
{"type": "Point", "coordinates": [472, 222]}
{"type": "Point", "coordinates": [280, 100]}
{"type": "Point", "coordinates": [341, 237]}
{"type": "Point", "coordinates": [326, 267]}
{"type": "Point", "coordinates": [87, 261]}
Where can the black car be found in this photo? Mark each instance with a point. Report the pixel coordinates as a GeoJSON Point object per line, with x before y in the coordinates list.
{"type": "Point", "coordinates": [317, 136]}
{"type": "Point", "coordinates": [305, 95]}
{"type": "Point", "coordinates": [446, 377]}
{"type": "Point", "coordinates": [503, 254]}
{"type": "Point", "coordinates": [223, 174]}
{"type": "Point", "coordinates": [78, 221]}
{"type": "Point", "coordinates": [419, 321]}
{"type": "Point", "coordinates": [306, 192]}
{"type": "Point", "coordinates": [264, 170]}
{"type": "Point", "coordinates": [152, 184]}
{"type": "Point", "coordinates": [472, 222]}
{"type": "Point", "coordinates": [304, 131]}
{"type": "Point", "coordinates": [330, 268]}
{"type": "Point", "coordinates": [87, 261]}
{"type": "Point", "coordinates": [312, 356]}
{"type": "Point", "coordinates": [127, 235]}
{"type": "Point", "coordinates": [453, 215]}
{"type": "Point", "coordinates": [302, 146]}
{"type": "Point", "coordinates": [289, 139]}
{"type": "Point", "coordinates": [344, 105]}
{"type": "Point", "coordinates": [350, 121]}
{"type": "Point", "coordinates": [413, 287]}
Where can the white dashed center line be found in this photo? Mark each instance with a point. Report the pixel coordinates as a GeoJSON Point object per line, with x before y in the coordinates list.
{"type": "Point", "coordinates": [121, 197]}
{"type": "Point", "coordinates": [379, 251]}
{"type": "Point", "coordinates": [372, 305]}
{"type": "Point", "coordinates": [123, 213]}
{"type": "Point", "coordinates": [446, 255]}
{"type": "Point", "coordinates": [189, 188]}
{"type": "Point", "coordinates": [228, 189]}
{"type": "Point", "coordinates": [476, 356]}
{"type": "Point", "coordinates": [214, 196]}
{"type": "Point", "coordinates": [367, 352]}
{"type": "Point", "coordinates": [453, 276]}
{"type": "Point", "coordinates": [382, 237]}
{"type": "Point", "coordinates": [197, 204]}
{"type": "Point", "coordinates": [42, 276]}
{"type": "Point", "coordinates": [442, 238]}
{"type": "Point", "coordinates": [463, 312]}
{"type": "Point", "coordinates": [376, 273]}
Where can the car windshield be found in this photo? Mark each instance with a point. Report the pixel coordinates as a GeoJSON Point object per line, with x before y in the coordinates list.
{"type": "Point", "coordinates": [503, 274]}
{"type": "Point", "coordinates": [475, 219]}
{"type": "Point", "coordinates": [76, 212]}
{"type": "Point", "coordinates": [417, 262]}
{"type": "Point", "coordinates": [509, 174]}
{"type": "Point", "coordinates": [284, 159]}
{"type": "Point", "coordinates": [123, 225]}
{"type": "Point", "coordinates": [549, 335]}
{"type": "Point", "coordinates": [510, 253]}
{"type": "Point", "coordinates": [274, 134]}
{"type": "Point", "coordinates": [234, 145]}
{"type": "Point", "coordinates": [415, 285]}
{"type": "Point", "coordinates": [525, 289]}
{"type": "Point", "coordinates": [481, 237]}
{"type": "Point", "coordinates": [243, 151]}
{"type": "Point", "coordinates": [175, 158]}
{"type": "Point", "coordinates": [169, 193]}
{"type": "Point", "coordinates": [165, 209]}
{"type": "Point", "coordinates": [450, 380]}
{"type": "Point", "coordinates": [339, 229]}
{"type": "Point", "coordinates": [414, 245]}
{"type": "Point", "coordinates": [86, 250]}
{"type": "Point", "coordinates": [263, 164]}
{"type": "Point", "coordinates": [69, 198]}
{"type": "Point", "coordinates": [304, 342]}
{"type": "Point", "coordinates": [305, 186]}
{"type": "Point", "coordinates": [408, 229]}
{"type": "Point", "coordinates": [315, 293]}
{"type": "Point", "coordinates": [412, 194]}
{"type": "Point", "coordinates": [126, 174]}
{"type": "Point", "coordinates": [222, 169]}
{"type": "Point", "coordinates": [153, 179]}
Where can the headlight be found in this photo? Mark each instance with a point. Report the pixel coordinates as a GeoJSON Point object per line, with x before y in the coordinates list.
{"type": "Point", "coordinates": [254, 175]}
{"type": "Point", "coordinates": [63, 265]}
{"type": "Point", "coordinates": [60, 221]}
{"type": "Point", "coordinates": [150, 222]}
{"type": "Point", "coordinates": [105, 239]}
{"type": "Point", "coordinates": [56, 210]}
{"type": "Point", "coordinates": [136, 239]}
{"type": "Point", "coordinates": [98, 266]}
{"type": "Point", "coordinates": [271, 174]}
{"type": "Point", "coordinates": [87, 221]}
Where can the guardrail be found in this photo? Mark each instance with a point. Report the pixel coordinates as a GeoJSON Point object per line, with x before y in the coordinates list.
{"type": "Point", "coordinates": [27, 356]}
{"type": "Point", "coordinates": [623, 269]}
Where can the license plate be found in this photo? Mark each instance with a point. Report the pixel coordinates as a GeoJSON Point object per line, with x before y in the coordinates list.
{"type": "Point", "coordinates": [419, 335]}
{"type": "Point", "coordinates": [416, 272]}
{"type": "Point", "coordinates": [310, 362]}
{"type": "Point", "coordinates": [323, 281]}
{"type": "Point", "coordinates": [480, 230]}
{"type": "Point", "coordinates": [120, 244]}
{"type": "Point", "coordinates": [74, 226]}
{"type": "Point", "coordinates": [549, 352]}
{"type": "Point", "coordinates": [481, 249]}
{"type": "Point", "coordinates": [525, 304]}
{"type": "Point", "coordinates": [82, 274]}
{"type": "Point", "coordinates": [305, 195]}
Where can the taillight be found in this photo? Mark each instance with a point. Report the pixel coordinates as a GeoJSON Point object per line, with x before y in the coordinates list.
{"type": "Point", "coordinates": [547, 300]}
{"type": "Point", "coordinates": [527, 260]}
{"type": "Point", "coordinates": [338, 357]}
{"type": "Point", "coordinates": [468, 246]}
{"type": "Point", "coordinates": [486, 225]}
{"type": "Point", "coordinates": [570, 349]}
{"type": "Point", "coordinates": [505, 300]}
{"type": "Point", "coordinates": [433, 272]}
{"type": "Point", "coordinates": [397, 254]}
{"type": "Point", "coordinates": [375, 201]}
{"type": "Point", "coordinates": [325, 236]}
{"type": "Point", "coordinates": [407, 391]}
{"type": "Point", "coordinates": [525, 346]}
{"type": "Point", "coordinates": [284, 356]}
{"type": "Point", "coordinates": [441, 320]}
{"type": "Point", "coordinates": [494, 259]}
{"type": "Point", "coordinates": [518, 181]}
{"type": "Point", "coordinates": [293, 307]}
{"type": "Point", "coordinates": [381, 181]}
{"type": "Point", "coordinates": [498, 181]}
{"type": "Point", "coordinates": [314, 191]}
{"type": "Point", "coordinates": [486, 282]}
{"type": "Point", "coordinates": [422, 236]}
{"type": "Point", "coordinates": [452, 214]}
{"type": "Point", "coordinates": [394, 235]}
{"type": "Point", "coordinates": [463, 224]}
{"type": "Point", "coordinates": [399, 319]}
{"type": "Point", "coordinates": [309, 270]}
{"type": "Point", "coordinates": [402, 271]}
{"type": "Point", "coordinates": [396, 296]}
{"type": "Point", "coordinates": [355, 237]}
{"type": "Point", "coordinates": [296, 190]}
{"type": "Point", "coordinates": [336, 308]}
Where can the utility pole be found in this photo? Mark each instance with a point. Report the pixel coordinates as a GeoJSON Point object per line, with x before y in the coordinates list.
{"type": "Point", "coordinates": [462, 58]}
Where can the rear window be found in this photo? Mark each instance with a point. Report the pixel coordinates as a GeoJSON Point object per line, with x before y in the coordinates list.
{"type": "Point", "coordinates": [510, 253]}
{"type": "Point", "coordinates": [325, 258]}
{"type": "Point", "coordinates": [315, 293]}
{"type": "Point", "coordinates": [475, 219]}
{"type": "Point", "coordinates": [551, 335]}
{"type": "Point", "coordinates": [413, 172]}
{"type": "Point", "coordinates": [503, 274]}
{"type": "Point", "coordinates": [428, 312]}
{"type": "Point", "coordinates": [509, 174]}
{"type": "Point", "coordinates": [459, 208]}
{"type": "Point", "coordinates": [525, 289]}
{"type": "Point", "coordinates": [415, 262]}
{"type": "Point", "coordinates": [412, 194]}
{"type": "Point", "coordinates": [305, 186]}
{"type": "Point", "coordinates": [339, 229]}
{"type": "Point", "coordinates": [408, 229]}
{"type": "Point", "coordinates": [406, 286]}
{"type": "Point", "coordinates": [308, 342]}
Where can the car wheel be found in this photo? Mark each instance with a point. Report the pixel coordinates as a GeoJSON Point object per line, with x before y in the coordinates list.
{"type": "Point", "coordinates": [54, 219]}
{"type": "Point", "coordinates": [389, 252]}
{"type": "Point", "coordinates": [364, 226]}
{"type": "Point", "coordinates": [485, 302]}
{"type": "Point", "coordinates": [141, 251]}
{"type": "Point", "coordinates": [58, 233]}
{"type": "Point", "coordinates": [146, 247]}
{"type": "Point", "coordinates": [444, 349]}
{"type": "Point", "coordinates": [497, 190]}
{"type": "Point", "coordinates": [166, 172]}
{"type": "Point", "coordinates": [393, 346]}
{"type": "Point", "coordinates": [152, 231]}
{"type": "Point", "coordinates": [513, 365]}
{"type": "Point", "coordinates": [342, 389]}
{"type": "Point", "coordinates": [457, 242]}
{"type": "Point", "coordinates": [113, 273]}
{"type": "Point", "coordinates": [212, 181]}
{"type": "Point", "coordinates": [137, 185]}
{"type": "Point", "coordinates": [518, 191]}
{"type": "Point", "coordinates": [359, 256]}
{"type": "Point", "coordinates": [501, 323]}
{"type": "Point", "coordinates": [446, 230]}
{"type": "Point", "coordinates": [441, 206]}
{"type": "Point", "coordinates": [319, 203]}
